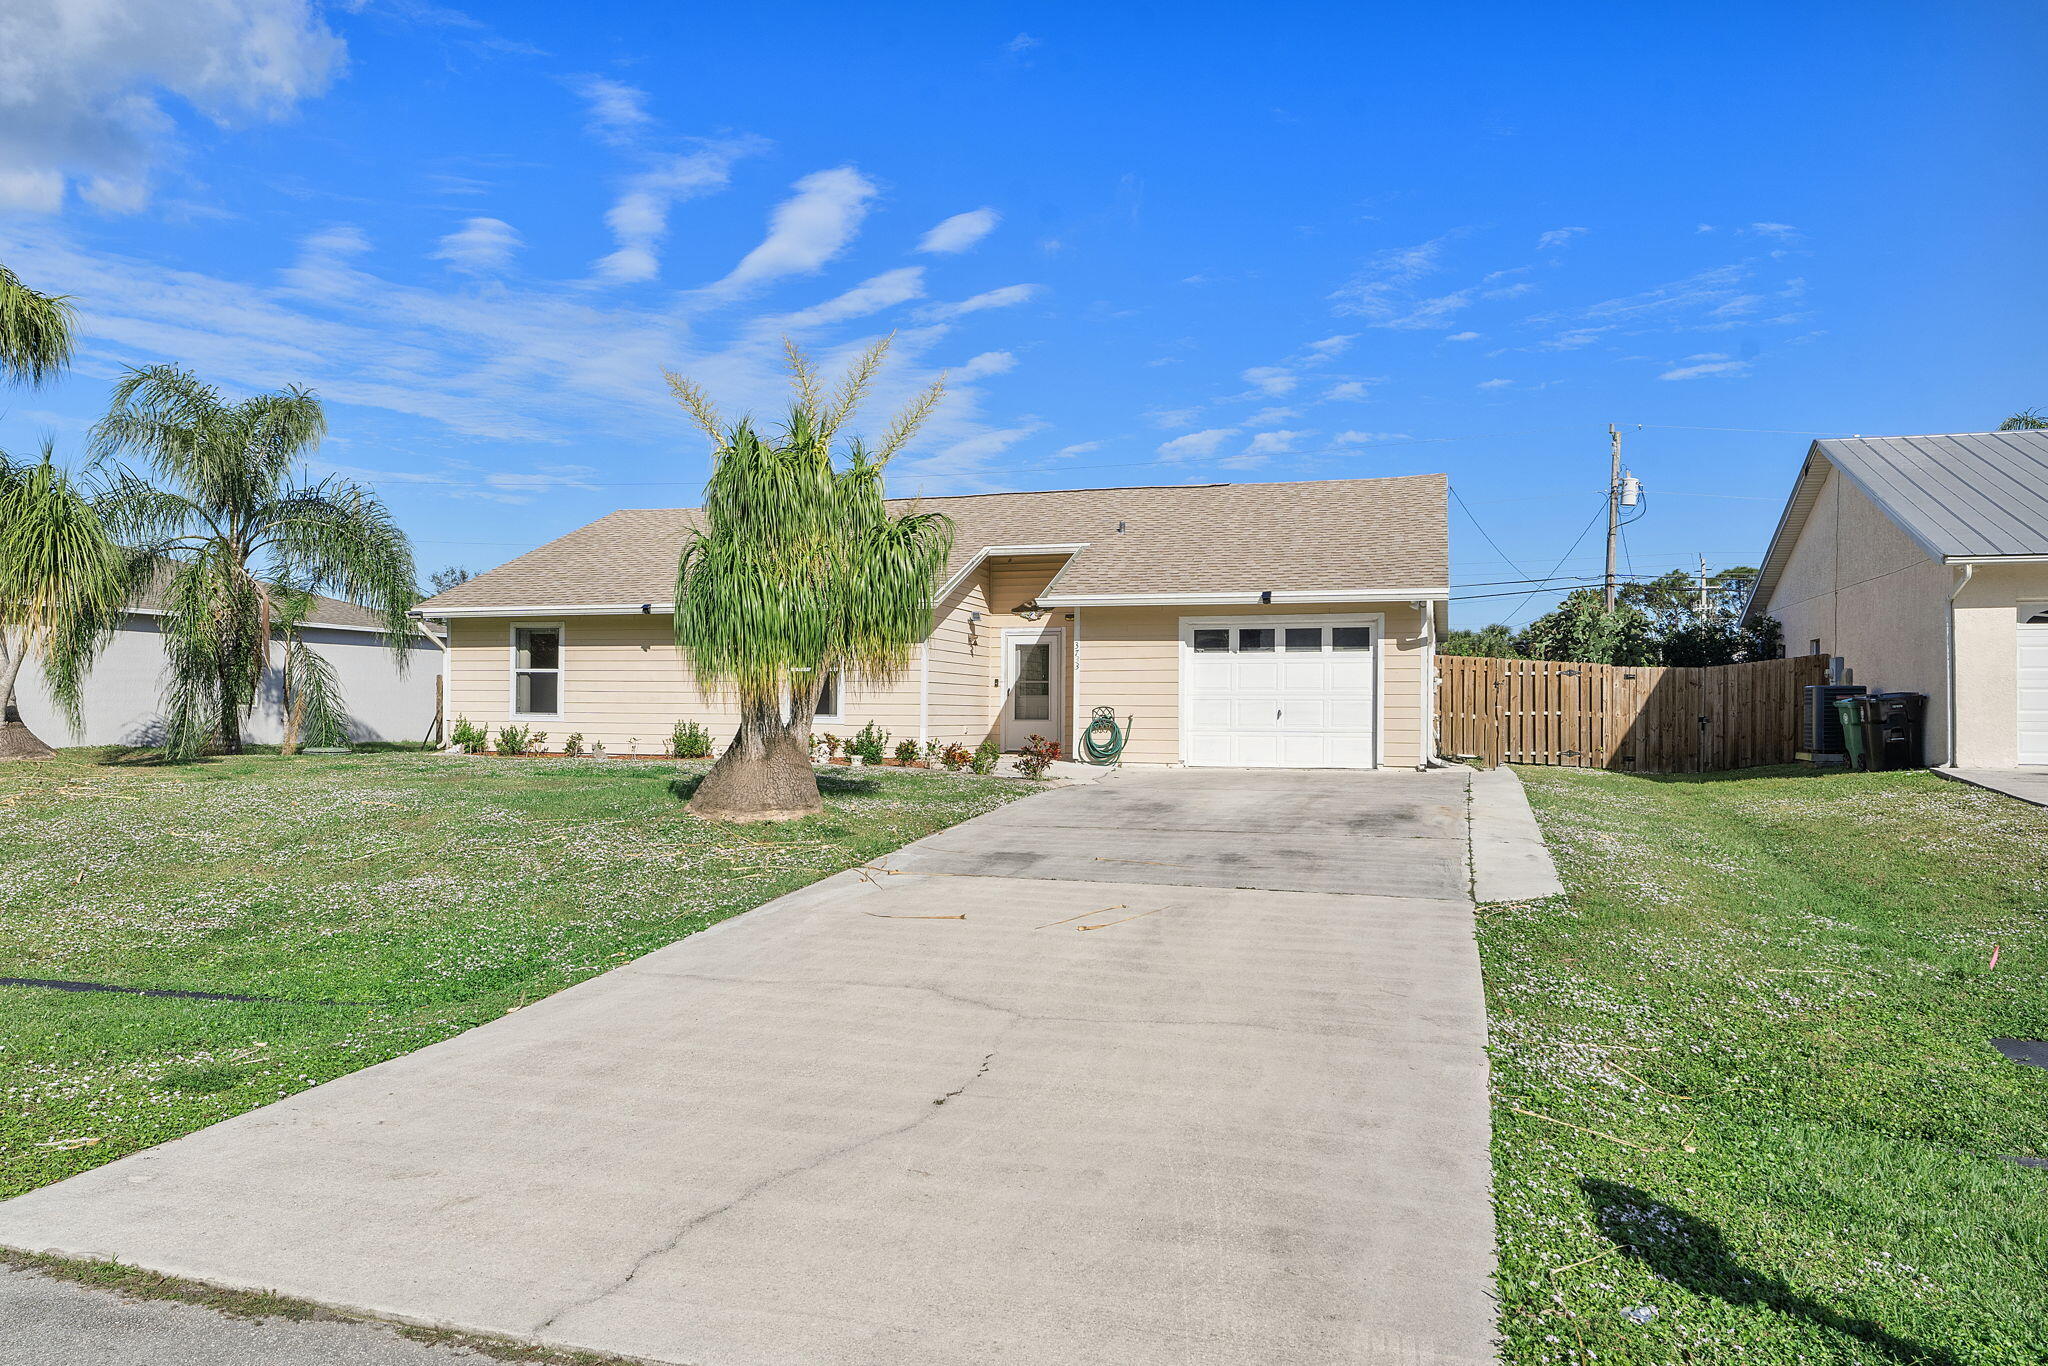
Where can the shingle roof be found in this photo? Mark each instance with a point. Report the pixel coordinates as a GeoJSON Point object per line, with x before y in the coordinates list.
{"type": "Point", "coordinates": [1970, 495]}
{"type": "Point", "coordinates": [1330, 534]}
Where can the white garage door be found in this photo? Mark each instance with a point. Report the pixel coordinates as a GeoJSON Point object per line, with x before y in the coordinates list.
{"type": "Point", "coordinates": [2034, 683]}
{"type": "Point", "coordinates": [1279, 692]}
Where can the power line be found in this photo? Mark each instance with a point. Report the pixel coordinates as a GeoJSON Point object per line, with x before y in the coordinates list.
{"type": "Point", "coordinates": [1597, 514]}
{"type": "Point", "coordinates": [1483, 532]}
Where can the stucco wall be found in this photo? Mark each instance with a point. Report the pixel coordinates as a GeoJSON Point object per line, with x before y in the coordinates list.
{"type": "Point", "coordinates": [124, 696]}
{"type": "Point", "coordinates": [1868, 593]}
{"type": "Point", "coordinates": [1130, 660]}
{"type": "Point", "coordinates": [1987, 657]}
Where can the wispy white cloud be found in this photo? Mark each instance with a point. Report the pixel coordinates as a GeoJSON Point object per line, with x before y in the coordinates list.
{"type": "Point", "coordinates": [83, 88]}
{"type": "Point", "coordinates": [614, 112]}
{"type": "Point", "coordinates": [1078, 448]}
{"type": "Point", "coordinates": [638, 219]}
{"type": "Point", "coordinates": [961, 231]}
{"type": "Point", "coordinates": [870, 296]}
{"type": "Point", "coordinates": [1009, 296]}
{"type": "Point", "coordinates": [1021, 44]}
{"type": "Point", "coordinates": [1348, 391]}
{"type": "Point", "coordinates": [1273, 443]}
{"type": "Point", "coordinates": [987, 363]}
{"type": "Point", "coordinates": [1271, 379]}
{"type": "Point", "coordinates": [1711, 363]}
{"type": "Point", "coordinates": [1557, 237]}
{"type": "Point", "coordinates": [808, 229]}
{"type": "Point", "coordinates": [1366, 438]}
{"type": "Point", "coordinates": [1170, 418]}
{"type": "Point", "coordinates": [1383, 292]}
{"type": "Point", "coordinates": [479, 247]}
{"type": "Point", "coordinates": [1494, 383]}
{"type": "Point", "coordinates": [1463, 336]}
{"type": "Point", "coordinates": [1196, 444]}
{"type": "Point", "coordinates": [1271, 417]}
{"type": "Point", "coordinates": [1782, 231]}
{"type": "Point", "coordinates": [1329, 348]}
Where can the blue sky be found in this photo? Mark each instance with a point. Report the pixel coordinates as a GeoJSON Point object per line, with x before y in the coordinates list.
{"type": "Point", "coordinates": [1151, 244]}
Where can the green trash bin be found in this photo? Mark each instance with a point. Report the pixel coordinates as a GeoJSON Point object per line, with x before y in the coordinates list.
{"type": "Point", "coordinates": [1850, 710]}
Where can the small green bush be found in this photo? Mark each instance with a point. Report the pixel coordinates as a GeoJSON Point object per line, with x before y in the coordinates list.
{"type": "Point", "coordinates": [690, 741]}
{"type": "Point", "coordinates": [956, 757]}
{"type": "Point", "coordinates": [520, 739]}
{"type": "Point", "coordinates": [469, 737]}
{"type": "Point", "coordinates": [870, 744]}
{"type": "Point", "coordinates": [573, 746]}
{"type": "Point", "coordinates": [986, 754]}
{"type": "Point", "coordinates": [906, 752]}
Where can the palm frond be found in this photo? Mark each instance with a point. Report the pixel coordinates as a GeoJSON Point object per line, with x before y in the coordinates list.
{"type": "Point", "coordinates": [64, 585]}
{"type": "Point", "coordinates": [36, 331]}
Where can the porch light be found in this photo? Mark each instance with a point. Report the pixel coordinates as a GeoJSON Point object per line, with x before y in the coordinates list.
{"type": "Point", "coordinates": [1029, 611]}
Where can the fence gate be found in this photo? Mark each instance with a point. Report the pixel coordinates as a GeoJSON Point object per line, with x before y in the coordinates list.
{"type": "Point", "coordinates": [1645, 719]}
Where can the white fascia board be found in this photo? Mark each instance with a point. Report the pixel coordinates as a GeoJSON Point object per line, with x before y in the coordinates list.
{"type": "Point", "coordinates": [627, 609]}
{"type": "Point", "coordinates": [322, 625]}
{"type": "Point", "coordinates": [1439, 593]}
{"type": "Point", "coordinates": [1994, 559]}
{"type": "Point", "coordinates": [982, 555]}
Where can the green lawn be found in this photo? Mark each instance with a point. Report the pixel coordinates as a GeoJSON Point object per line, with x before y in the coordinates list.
{"type": "Point", "coordinates": [1764, 1004]}
{"type": "Point", "coordinates": [389, 900]}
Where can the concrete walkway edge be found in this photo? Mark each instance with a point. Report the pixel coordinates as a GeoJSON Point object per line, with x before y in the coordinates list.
{"type": "Point", "coordinates": [1510, 862]}
{"type": "Point", "coordinates": [2021, 784]}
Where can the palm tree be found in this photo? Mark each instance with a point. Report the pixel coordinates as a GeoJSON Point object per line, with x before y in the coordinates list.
{"type": "Point", "coordinates": [798, 569]}
{"type": "Point", "coordinates": [35, 331]}
{"type": "Point", "coordinates": [64, 586]}
{"type": "Point", "coordinates": [237, 519]}
{"type": "Point", "coordinates": [2025, 420]}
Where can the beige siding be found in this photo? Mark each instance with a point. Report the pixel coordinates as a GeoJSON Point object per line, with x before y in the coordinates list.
{"type": "Point", "coordinates": [1987, 661]}
{"type": "Point", "coordinates": [962, 699]}
{"type": "Point", "coordinates": [1867, 592]}
{"type": "Point", "coordinates": [1129, 659]}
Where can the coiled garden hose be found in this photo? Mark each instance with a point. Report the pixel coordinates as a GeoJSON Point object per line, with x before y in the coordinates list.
{"type": "Point", "coordinates": [1110, 745]}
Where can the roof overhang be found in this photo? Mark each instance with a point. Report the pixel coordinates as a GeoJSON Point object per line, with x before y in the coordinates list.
{"type": "Point", "coordinates": [1235, 598]}
{"type": "Point", "coordinates": [321, 625]}
{"type": "Point", "coordinates": [993, 552]}
{"type": "Point", "coordinates": [1994, 559]}
{"type": "Point", "coordinates": [580, 609]}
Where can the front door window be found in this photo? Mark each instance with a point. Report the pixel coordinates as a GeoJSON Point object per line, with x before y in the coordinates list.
{"type": "Point", "coordinates": [1031, 697]}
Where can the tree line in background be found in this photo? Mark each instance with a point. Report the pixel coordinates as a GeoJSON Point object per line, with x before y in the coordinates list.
{"type": "Point", "coordinates": [1671, 619]}
{"type": "Point", "coordinates": [223, 531]}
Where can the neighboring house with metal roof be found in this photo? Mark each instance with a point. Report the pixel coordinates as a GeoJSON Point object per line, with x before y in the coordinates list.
{"type": "Point", "coordinates": [1922, 563]}
{"type": "Point", "coordinates": [124, 695]}
{"type": "Point", "coordinates": [1285, 625]}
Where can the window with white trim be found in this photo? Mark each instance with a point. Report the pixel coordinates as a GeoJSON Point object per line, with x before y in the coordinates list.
{"type": "Point", "coordinates": [828, 697]}
{"type": "Point", "coordinates": [537, 671]}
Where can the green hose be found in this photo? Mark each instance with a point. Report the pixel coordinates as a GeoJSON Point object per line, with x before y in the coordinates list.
{"type": "Point", "coordinates": [1102, 721]}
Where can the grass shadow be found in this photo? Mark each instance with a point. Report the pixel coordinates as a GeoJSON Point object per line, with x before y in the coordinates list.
{"type": "Point", "coordinates": [1691, 1252]}
{"type": "Point", "coordinates": [829, 785]}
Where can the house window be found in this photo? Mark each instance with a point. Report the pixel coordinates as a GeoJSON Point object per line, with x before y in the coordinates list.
{"type": "Point", "coordinates": [1209, 642]}
{"type": "Point", "coordinates": [1351, 637]}
{"type": "Point", "coordinates": [828, 697]}
{"type": "Point", "coordinates": [1304, 638]}
{"type": "Point", "coordinates": [537, 671]}
{"type": "Point", "coordinates": [1813, 647]}
{"type": "Point", "coordinates": [1254, 639]}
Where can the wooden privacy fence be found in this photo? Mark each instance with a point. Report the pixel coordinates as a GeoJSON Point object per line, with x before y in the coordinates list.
{"type": "Point", "coordinates": [1643, 719]}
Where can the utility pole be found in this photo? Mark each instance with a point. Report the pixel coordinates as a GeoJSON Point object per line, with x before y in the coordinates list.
{"type": "Point", "coordinates": [1613, 510]}
{"type": "Point", "coordinates": [1703, 585]}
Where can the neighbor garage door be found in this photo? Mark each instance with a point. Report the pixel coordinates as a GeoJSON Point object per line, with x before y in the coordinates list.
{"type": "Point", "coordinates": [2033, 681]}
{"type": "Point", "coordinates": [1279, 692]}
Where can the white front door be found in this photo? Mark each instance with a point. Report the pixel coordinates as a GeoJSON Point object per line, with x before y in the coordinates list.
{"type": "Point", "coordinates": [1279, 692]}
{"type": "Point", "coordinates": [1033, 687]}
{"type": "Point", "coordinates": [2033, 681]}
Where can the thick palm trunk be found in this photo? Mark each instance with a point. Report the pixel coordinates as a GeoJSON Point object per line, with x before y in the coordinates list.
{"type": "Point", "coordinates": [230, 714]}
{"type": "Point", "coordinates": [764, 775]}
{"type": "Point", "coordinates": [17, 741]}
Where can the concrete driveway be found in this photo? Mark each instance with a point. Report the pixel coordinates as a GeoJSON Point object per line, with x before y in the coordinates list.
{"type": "Point", "coordinates": [1179, 1067]}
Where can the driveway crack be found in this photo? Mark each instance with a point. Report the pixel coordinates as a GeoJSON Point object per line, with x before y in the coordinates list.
{"type": "Point", "coordinates": [696, 1222]}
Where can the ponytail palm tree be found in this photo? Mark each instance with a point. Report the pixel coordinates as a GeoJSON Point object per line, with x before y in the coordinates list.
{"type": "Point", "coordinates": [798, 569]}
{"type": "Point", "coordinates": [64, 586]}
{"type": "Point", "coordinates": [235, 518]}
{"type": "Point", "coordinates": [35, 331]}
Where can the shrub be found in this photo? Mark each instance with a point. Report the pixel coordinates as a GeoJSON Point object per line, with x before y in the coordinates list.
{"type": "Point", "coordinates": [469, 737]}
{"type": "Point", "coordinates": [956, 757]}
{"type": "Point", "coordinates": [833, 744]}
{"type": "Point", "coordinates": [817, 746]}
{"type": "Point", "coordinates": [933, 749]}
{"type": "Point", "coordinates": [871, 743]}
{"type": "Point", "coordinates": [573, 746]}
{"type": "Point", "coordinates": [1039, 755]}
{"type": "Point", "coordinates": [906, 752]}
{"type": "Point", "coordinates": [690, 741]}
{"type": "Point", "coordinates": [985, 756]}
{"type": "Point", "coordinates": [520, 739]}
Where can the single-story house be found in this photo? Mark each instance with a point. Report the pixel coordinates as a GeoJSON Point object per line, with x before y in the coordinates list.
{"type": "Point", "coordinates": [1245, 625]}
{"type": "Point", "coordinates": [124, 694]}
{"type": "Point", "coordinates": [1921, 562]}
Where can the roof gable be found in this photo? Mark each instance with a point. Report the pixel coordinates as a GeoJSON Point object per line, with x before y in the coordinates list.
{"type": "Point", "coordinates": [1331, 534]}
{"type": "Point", "coordinates": [1967, 496]}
